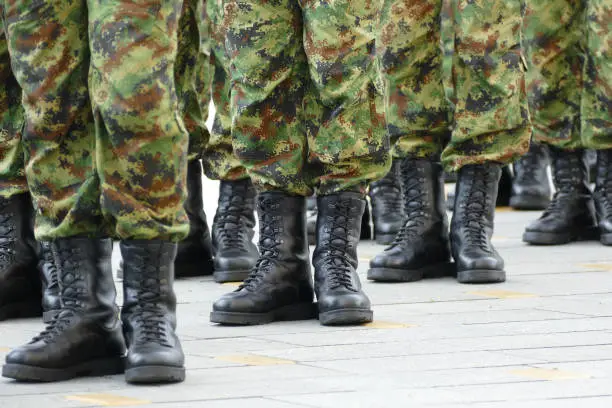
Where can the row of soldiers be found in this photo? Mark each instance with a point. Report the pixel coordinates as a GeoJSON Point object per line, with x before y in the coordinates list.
{"type": "Point", "coordinates": [103, 114]}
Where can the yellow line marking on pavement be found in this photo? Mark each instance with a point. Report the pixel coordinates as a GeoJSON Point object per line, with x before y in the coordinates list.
{"type": "Point", "coordinates": [598, 266]}
{"type": "Point", "coordinates": [502, 294]}
{"type": "Point", "coordinates": [364, 259]}
{"type": "Point", "coordinates": [4, 349]}
{"type": "Point", "coordinates": [504, 209]}
{"type": "Point", "coordinates": [107, 400]}
{"type": "Point", "coordinates": [500, 238]}
{"type": "Point", "coordinates": [254, 360]}
{"type": "Point", "coordinates": [232, 283]}
{"type": "Point", "coordinates": [549, 374]}
{"type": "Point", "coordinates": [378, 324]}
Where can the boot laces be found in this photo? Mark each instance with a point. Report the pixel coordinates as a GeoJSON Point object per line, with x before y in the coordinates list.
{"type": "Point", "coordinates": [567, 176]}
{"type": "Point", "coordinates": [51, 267]}
{"type": "Point", "coordinates": [268, 244]}
{"type": "Point", "coordinates": [389, 193]}
{"type": "Point", "coordinates": [476, 210]}
{"type": "Point", "coordinates": [7, 238]}
{"type": "Point", "coordinates": [55, 328]}
{"type": "Point", "coordinates": [229, 223]}
{"type": "Point", "coordinates": [337, 246]}
{"type": "Point", "coordinates": [414, 205]}
{"type": "Point", "coordinates": [149, 312]}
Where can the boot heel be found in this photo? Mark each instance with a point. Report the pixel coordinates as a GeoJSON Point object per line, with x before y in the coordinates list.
{"type": "Point", "coordinates": [154, 375]}
{"type": "Point", "coordinates": [346, 317]}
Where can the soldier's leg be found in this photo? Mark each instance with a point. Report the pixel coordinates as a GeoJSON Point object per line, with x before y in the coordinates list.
{"type": "Point", "coordinates": [142, 160]}
{"type": "Point", "coordinates": [348, 144]}
{"type": "Point", "coordinates": [235, 252]}
{"type": "Point", "coordinates": [418, 118]}
{"type": "Point", "coordinates": [85, 338]}
{"type": "Point", "coordinates": [19, 281]}
{"type": "Point", "coordinates": [597, 107]}
{"type": "Point", "coordinates": [270, 77]}
{"type": "Point", "coordinates": [491, 126]}
{"type": "Point", "coordinates": [554, 34]}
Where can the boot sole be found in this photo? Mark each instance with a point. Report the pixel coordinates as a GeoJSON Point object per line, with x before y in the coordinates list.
{"type": "Point", "coordinates": [49, 315]}
{"type": "Point", "coordinates": [346, 317]}
{"type": "Point", "coordinates": [21, 310]}
{"type": "Point", "coordinates": [384, 239]}
{"type": "Point", "coordinates": [300, 311]}
{"type": "Point", "coordinates": [606, 239]}
{"type": "Point", "coordinates": [154, 374]}
{"type": "Point", "coordinates": [481, 276]}
{"type": "Point", "coordinates": [550, 238]}
{"type": "Point", "coordinates": [411, 275]}
{"type": "Point", "coordinates": [529, 203]}
{"type": "Point", "coordinates": [230, 276]}
{"type": "Point", "coordinates": [97, 368]}
{"type": "Point", "coordinates": [193, 269]}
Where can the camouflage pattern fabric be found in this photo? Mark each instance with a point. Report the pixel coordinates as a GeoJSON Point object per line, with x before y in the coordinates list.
{"type": "Point", "coordinates": [480, 113]}
{"type": "Point", "coordinates": [12, 174]}
{"type": "Point", "coordinates": [568, 45]}
{"type": "Point", "coordinates": [122, 172]}
{"type": "Point", "coordinates": [307, 99]}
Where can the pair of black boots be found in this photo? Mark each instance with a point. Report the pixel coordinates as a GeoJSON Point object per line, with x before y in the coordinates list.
{"type": "Point", "coordinates": [86, 337]}
{"type": "Point", "coordinates": [280, 285]}
{"type": "Point", "coordinates": [229, 252]}
{"type": "Point", "coordinates": [575, 213]}
{"type": "Point", "coordinates": [424, 246]}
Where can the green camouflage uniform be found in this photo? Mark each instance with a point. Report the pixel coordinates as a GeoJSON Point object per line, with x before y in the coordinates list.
{"type": "Point", "coordinates": [12, 176]}
{"type": "Point", "coordinates": [120, 171]}
{"type": "Point", "coordinates": [477, 115]}
{"type": "Point", "coordinates": [568, 45]}
{"type": "Point", "coordinates": [307, 99]}
{"type": "Point", "coordinates": [201, 73]}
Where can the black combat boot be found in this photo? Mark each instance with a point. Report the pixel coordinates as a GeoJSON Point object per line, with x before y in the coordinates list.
{"type": "Point", "coordinates": [504, 191]}
{"type": "Point", "coordinates": [195, 253]}
{"type": "Point", "coordinates": [85, 338]}
{"type": "Point", "coordinates": [149, 313]}
{"type": "Point", "coordinates": [311, 222]}
{"type": "Point", "coordinates": [571, 213]}
{"type": "Point", "coordinates": [387, 212]}
{"type": "Point", "coordinates": [476, 259]}
{"type": "Point", "coordinates": [279, 287]}
{"type": "Point", "coordinates": [340, 298]}
{"type": "Point", "coordinates": [49, 275]}
{"type": "Point", "coordinates": [603, 195]}
{"type": "Point", "coordinates": [422, 245]}
{"type": "Point", "coordinates": [531, 188]}
{"type": "Point", "coordinates": [235, 252]}
{"type": "Point", "coordinates": [19, 278]}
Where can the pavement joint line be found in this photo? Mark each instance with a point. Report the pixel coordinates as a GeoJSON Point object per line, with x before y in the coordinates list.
{"type": "Point", "coordinates": [107, 400]}
{"type": "Point", "coordinates": [549, 374]}
{"type": "Point", "coordinates": [381, 324]}
{"type": "Point", "coordinates": [254, 360]}
{"type": "Point", "coordinates": [502, 294]}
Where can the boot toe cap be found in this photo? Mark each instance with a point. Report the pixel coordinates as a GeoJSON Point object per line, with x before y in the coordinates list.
{"type": "Point", "coordinates": [234, 302]}
{"type": "Point", "coordinates": [155, 356]}
{"type": "Point", "coordinates": [27, 355]}
{"type": "Point", "coordinates": [235, 262]}
{"type": "Point", "coordinates": [487, 262]}
{"type": "Point", "coordinates": [348, 300]}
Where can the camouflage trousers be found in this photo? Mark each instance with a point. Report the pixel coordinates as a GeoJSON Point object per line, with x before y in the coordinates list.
{"type": "Point", "coordinates": [202, 74]}
{"type": "Point", "coordinates": [307, 100]}
{"type": "Point", "coordinates": [568, 45]}
{"type": "Point", "coordinates": [108, 160]}
{"type": "Point", "coordinates": [12, 175]}
{"type": "Point", "coordinates": [482, 115]}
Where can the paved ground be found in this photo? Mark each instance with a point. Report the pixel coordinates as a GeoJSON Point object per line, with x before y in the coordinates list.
{"type": "Point", "coordinates": [543, 339]}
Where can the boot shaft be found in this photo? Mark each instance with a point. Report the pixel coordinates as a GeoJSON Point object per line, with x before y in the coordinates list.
{"type": "Point", "coordinates": [237, 198]}
{"type": "Point", "coordinates": [570, 171]}
{"type": "Point", "coordinates": [194, 203]}
{"type": "Point", "coordinates": [603, 180]}
{"type": "Point", "coordinates": [17, 243]}
{"type": "Point", "coordinates": [339, 226]}
{"type": "Point", "coordinates": [85, 276]}
{"type": "Point", "coordinates": [423, 190]}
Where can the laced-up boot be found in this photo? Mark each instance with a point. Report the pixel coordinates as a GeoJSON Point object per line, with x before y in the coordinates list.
{"type": "Point", "coordinates": [476, 259]}
{"type": "Point", "coordinates": [311, 222]}
{"type": "Point", "coordinates": [603, 195]}
{"type": "Point", "coordinates": [504, 191]}
{"type": "Point", "coordinates": [19, 278]}
{"type": "Point", "coordinates": [340, 297]}
{"type": "Point", "coordinates": [51, 291]}
{"type": "Point", "coordinates": [279, 287]}
{"type": "Point", "coordinates": [531, 188]}
{"type": "Point", "coordinates": [570, 215]}
{"type": "Point", "coordinates": [235, 252]}
{"type": "Point", "coordinates": [421, 248]}
{"type": "Point", "coordinates": [149, 313]}
{"type": "Point", "coordinates": [85, 338]}
{"type": "Point", "coordinates": [387, 211]}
